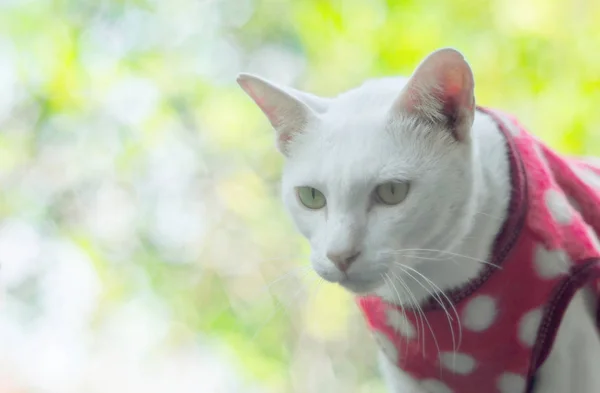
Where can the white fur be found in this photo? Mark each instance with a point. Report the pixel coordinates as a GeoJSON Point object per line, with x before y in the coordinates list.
{"type": "Point", "coordinates": [459, 191]}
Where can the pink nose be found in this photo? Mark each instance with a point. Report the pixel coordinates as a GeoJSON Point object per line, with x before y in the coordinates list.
{"type": "Point", "coordinates": [343, 260]}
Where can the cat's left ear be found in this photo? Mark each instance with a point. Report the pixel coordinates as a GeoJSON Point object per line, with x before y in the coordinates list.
{"type": "Point", "coordinates": [441, 91]}
{"type": "Point", "coordinates": [288, 110]}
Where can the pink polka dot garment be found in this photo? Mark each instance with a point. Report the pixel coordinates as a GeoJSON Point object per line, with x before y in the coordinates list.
{"type": "Point", "coordinates": [547, 248]}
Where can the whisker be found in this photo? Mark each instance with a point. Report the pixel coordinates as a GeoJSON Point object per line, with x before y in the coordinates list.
{"type": "Point", "coordinates": [280, 306]}
{"type": "Point", "coordinates": [489, 215]}
{"type": "Point", "coordinates": [400, 252]}
{"type": "Point", "coordinates": [439, 301]}
{"type": "Point", "coordinates": [391, 283]}
{"type": "Point", "coordinates": [438, 291]}
{"type": "Point", "coordinates": [419, 310]}
{"type": "Point", "coordinates": [284, 276]}
{"type": "Point", "coordinates": [429, 258]}
{"type": "Point", "coordinates": [414, 305]}
{"type": "Point", "coordinates": [228, 308]}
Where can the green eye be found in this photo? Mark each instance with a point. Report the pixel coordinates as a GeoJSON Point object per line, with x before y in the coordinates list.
{"type": "Point", "coordinates": [391, 193]}
{"type": "Point", "coordinates": [311, 197]}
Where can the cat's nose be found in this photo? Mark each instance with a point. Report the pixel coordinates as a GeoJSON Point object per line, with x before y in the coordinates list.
{"type": "Point", "coordinates": [342, 260]}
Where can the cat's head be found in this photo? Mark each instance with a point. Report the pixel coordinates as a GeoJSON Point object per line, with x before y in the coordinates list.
{"type": "Point", "coordinates": [378, 172]}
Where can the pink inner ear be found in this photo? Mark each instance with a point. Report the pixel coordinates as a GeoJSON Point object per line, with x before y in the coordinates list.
{"type": "Point", "coordinates": [454, 87]}
{"type": "Point", "coordinates": [456, 98]}
{"type": "Point", "coordinates": [268, 110]}
{"type": "Point", "coordinates": [452, 90]}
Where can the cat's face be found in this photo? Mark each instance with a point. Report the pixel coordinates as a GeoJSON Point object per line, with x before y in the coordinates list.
{"type": "Point", "coordinates": [378, 174]}
{"type": "Point", "coordinates": [355, 163]}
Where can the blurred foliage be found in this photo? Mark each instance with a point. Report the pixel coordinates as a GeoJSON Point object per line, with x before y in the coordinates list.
{"type": "Point", "coordinates": [139, 209]}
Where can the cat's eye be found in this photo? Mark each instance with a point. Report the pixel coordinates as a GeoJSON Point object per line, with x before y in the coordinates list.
{"type": "Point", "coordinates": [311, 197]}
{"type": "Point", "coordinates": [391, 193]}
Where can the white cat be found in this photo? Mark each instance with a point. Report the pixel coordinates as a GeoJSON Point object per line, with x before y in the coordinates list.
{"type": "Point", "coordinates": [405, 175]}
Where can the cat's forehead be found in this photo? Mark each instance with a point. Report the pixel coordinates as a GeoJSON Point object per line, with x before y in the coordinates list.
{"type": "Point", "coordinates": [355, 150]}
{"type": "Point", "coordinates": [354, 143]}
{"type": "Point", "coordinates": [352, 126]}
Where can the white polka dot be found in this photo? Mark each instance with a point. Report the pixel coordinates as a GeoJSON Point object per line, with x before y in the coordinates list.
{"type": "Point", "coordinates": [539, 151]}
{"type": "Point", "coordinates": [387, 346]}
{"type": "Point", "coordinates": [511, 383]}
{"type": "Point", "coordinates": [400, 323]}
{"type": "Point", "coordinates": [558, 206]}
{"type": "Point", "coordinates": [593, 238]}
{"type": "Point", "coordinates": [459, 363]}
{"type": "Point", "coordinates": [550, 264]}
{"type": "Point", "coordinates": [435, 386]}
{"type": "Point", "coordinates": [528, 326]}
{"type": "Point", "coordinates": [479, 313]}
{"type": "Point", "coordinates": [593, 161]}
{"type": "Point", "coordinates": [588, 176]}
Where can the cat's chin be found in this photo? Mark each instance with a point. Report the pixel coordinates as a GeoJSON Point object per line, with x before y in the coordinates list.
{"type": "Point", "coordinates": [361, 287]}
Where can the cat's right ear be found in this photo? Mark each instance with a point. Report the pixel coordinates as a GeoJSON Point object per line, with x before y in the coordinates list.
{"type": "Point", "coordinates": [287, 113]}
{"type": "Point", "coordinates": [440, 91]}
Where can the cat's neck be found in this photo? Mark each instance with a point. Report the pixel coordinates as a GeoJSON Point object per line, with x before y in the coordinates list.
{"type": "Point", "coordinates": [453, 268]}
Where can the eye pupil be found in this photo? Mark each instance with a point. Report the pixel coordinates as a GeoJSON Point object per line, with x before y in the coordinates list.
{"type": "Point", "coordinates": [311, 198]}
{"type": "Point", "coordinates": [391, 193]}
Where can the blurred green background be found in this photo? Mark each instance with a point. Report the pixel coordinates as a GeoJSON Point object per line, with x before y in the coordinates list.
{"type": "Point", "coordinates": [142, 244]}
